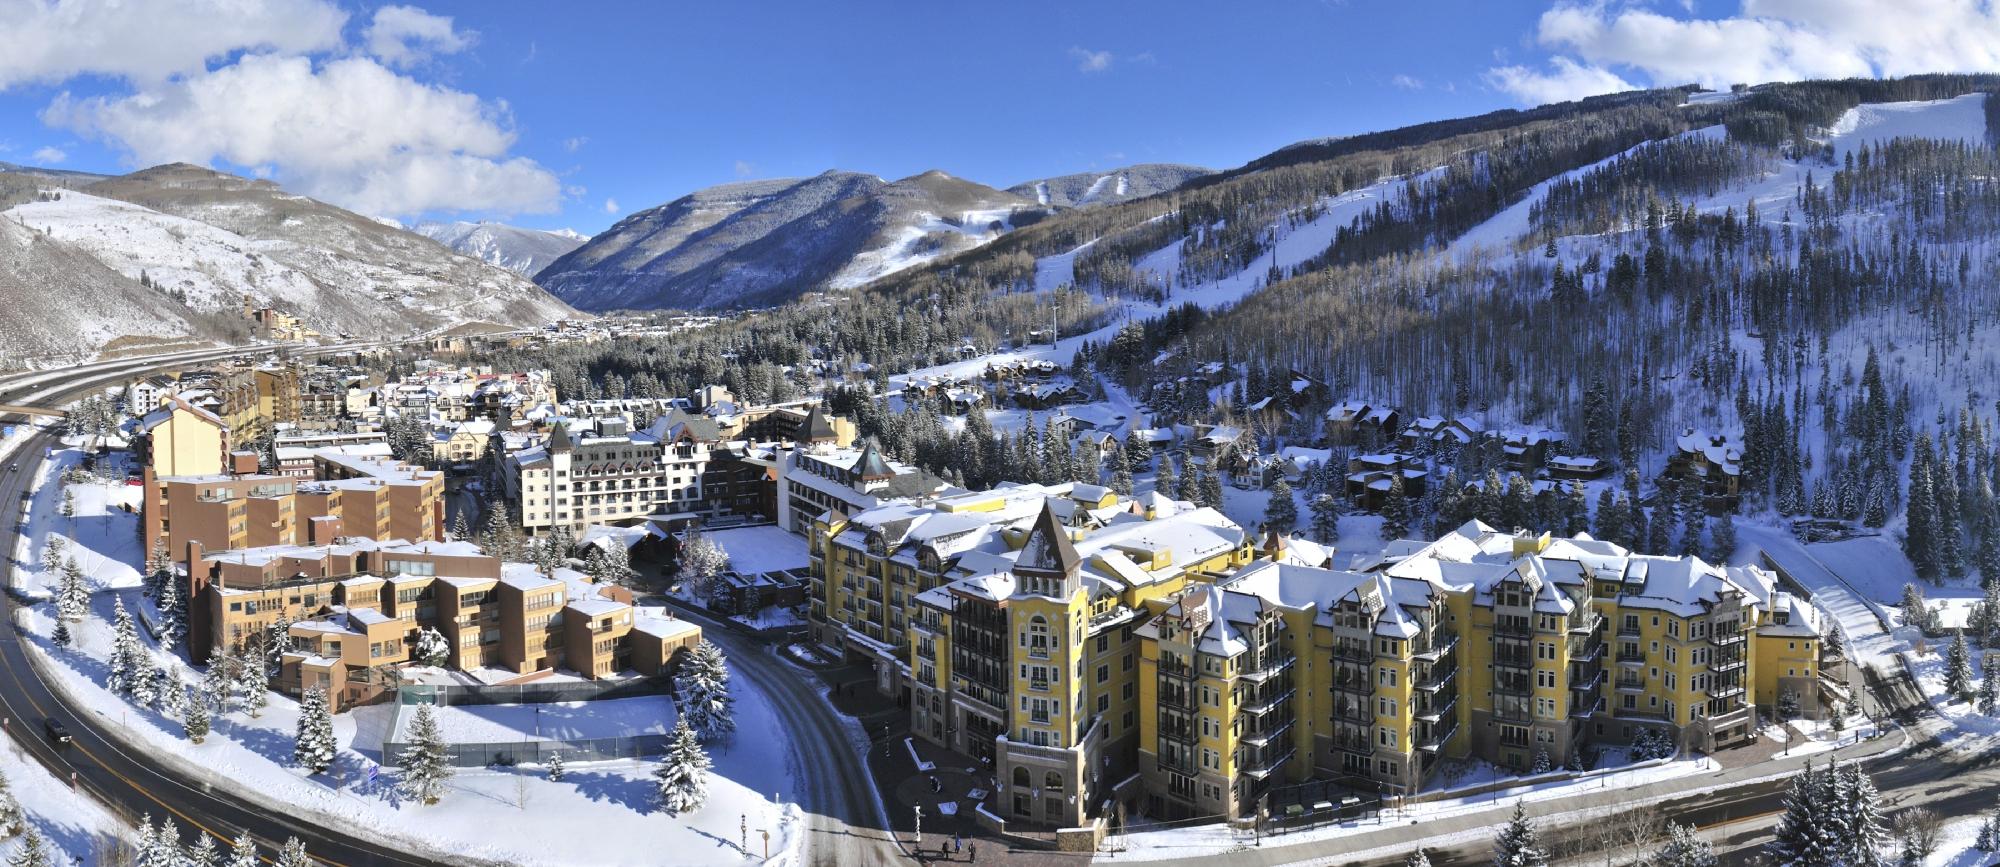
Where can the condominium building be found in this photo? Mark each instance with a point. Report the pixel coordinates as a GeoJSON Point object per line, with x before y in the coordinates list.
{"type": "Point", "coordinates": [354, 612]}
{"type": "Point", "coordinates": [610, 477]}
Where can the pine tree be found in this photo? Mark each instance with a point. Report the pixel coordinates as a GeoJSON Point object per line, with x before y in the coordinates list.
{"type": "Point", "coordinates": [1958, 667]}
{"type": "Point", "coordinates": [682, 778]}
{"type": "Point", "coordinates": [432, 649]}
{"type": "Point", "coordinates": [68, 507]}
{"type": "Point", "coordinates": [11, 818]}
{"type": "Point", "coordinates": [1121, 475]}
{"type": "Point", "coordinates": [1915, 610]}
{"type": "Point", "coordinates": [426, 765]}
{"type": "Point", "coordinates": [1518, 844]}
{"type": "Point", "coordinates": [1190, 484]}
{"type": "Point", "coordinates": [1989, 685]}
{"type": "Point", "coordinates": [556, 767]}
{"type": "Point", "coordinates": [1417, 858]}
{"type": "Point", "coordinates": [293, 854]}
{"type": "Point", "coordinates": [172, 605]}
{"type": "Point", "coordinates": [243, 853]}
{"type": "Point", "coordinates": [145, 679]}
{"type": "Point", "coordinates": [194, 719]}
{"type": "Point", "coordinates": [72, 601]}
{"type": "Point", "coordinates": [1395, 511]}
{"type": "Point", "coordinates": [1326, 518]}
{"type": "Point", "coordinates": [1722, 538]}
{"type": "Point", "coordinates": [1803, 838]}
{"type": "Point", "coordinates": [60, 636]}
{"type": "Point", "coordinates": [315, 744]}
{"type": "Point", "coordinates": [1168, 480]}
{"type": "Point", "coordinates": [33, 852]}
{"type": "Point", "coordinates": [1684, 849]}
{"type": "Point", "coordinates": [1211, 489]}
{"type": "Point", "coordinates": [1861, 829]}
{"type": "Point", "coordinates": [203, 853]}
{"type": "Point", "coordinates": [163, 847]}
{"type": "Point", "coordinates": [1281, 515]}
{"type": "Point", "coordinates": [125, 652]}
{"type": "Point", "coordinates": [705, 703]}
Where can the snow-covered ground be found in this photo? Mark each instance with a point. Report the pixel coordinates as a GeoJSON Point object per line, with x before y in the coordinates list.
{"type": "Point", "coordinates": [501, 815]}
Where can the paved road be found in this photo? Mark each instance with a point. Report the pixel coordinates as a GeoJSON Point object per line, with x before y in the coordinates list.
{"type": "Point", "coordinates": [844, 820]}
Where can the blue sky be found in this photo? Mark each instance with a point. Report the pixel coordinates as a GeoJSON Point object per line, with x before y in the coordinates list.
{"type": "Point", "coordinates": [573, 115]}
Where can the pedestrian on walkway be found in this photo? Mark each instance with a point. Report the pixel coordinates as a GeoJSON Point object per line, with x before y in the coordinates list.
{"type": "Point", "coordinates": [971, 852]}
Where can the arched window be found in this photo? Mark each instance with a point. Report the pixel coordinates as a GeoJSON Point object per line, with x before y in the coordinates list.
{"type": "Point", "coordinates": [1021, 778]}
{"type": "Point", "coordinates": [1037, 638]}
{"type": "Point", "coordinates": [1052, 782]}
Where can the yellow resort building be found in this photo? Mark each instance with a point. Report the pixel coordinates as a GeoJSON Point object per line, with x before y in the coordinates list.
{"type": "Point", "coordinates": [1094, 652]}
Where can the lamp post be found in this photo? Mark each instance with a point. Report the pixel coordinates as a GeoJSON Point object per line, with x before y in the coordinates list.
{"type": "Point", "coordinates": [919, 842]}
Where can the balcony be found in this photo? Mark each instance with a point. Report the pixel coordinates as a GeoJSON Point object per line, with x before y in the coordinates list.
{"type": "Point", "coordinates": [1260, 707]}
{"type": "Point", "coordinates": [1355, 651]}
{"type": "Point", "coordinates": [1729, 689]}
{"type": "Point", "coordinates": [1438, 711]}
{"type": "Point", "coordinates": [1513, 660]}
{"type": "Point", "coordinates": [1438, 678]}
{"type": "Point", "coordinates": [1628, 630]}
{"type": "Point", "coordinates": [1177, 698]}
{"type": "Point", "coordinates": [1440, 644]}
{"type": "Point", "coordinates": [1176, 670]}
{"type": "Point", "coordinates": [1515, 713]}
{"type": "Point", "coordinates": [1266, 737]}
{"type": "Point", "coordinates": [1352, 740]}
{"type": "Point", "coordinates": [1630, 684]}
{"type": "Point", "coordinates": [1513, 686]}
{"type": "Point", "coordinates": [1587, 707]}
{"type": "Point", "coordinates": [1259, 764]}
{"type": "Point", "coordinates": [1039, 684]}
{"type": "Point", "coordinates": [1355, 685]}
{"type": "Point", "coordinates": [1631, 657]}
{"type": "Point", "coordinates": [1438, 737]}
{"type": "Point", "coordinates": [1266, 668]}
{"type": "Point", "coordinates": [1589, 679]}
{"type": "Point", "coordinates": [1725, 662]}
{"type": "Point", "coordinates": [1354, 712]}
{"type": "Point", "coordinates": [1726, 637]}
{"type": "Point", "coordinates": [1514, 627]}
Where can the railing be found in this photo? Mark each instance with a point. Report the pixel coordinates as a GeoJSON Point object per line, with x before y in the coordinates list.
{"type": "Point", "coordinates": [1264, 737]}
{"type": "Point", "coordinates": [1353, 712]}
{"type": "Point", "coordinates": [1261, 766]}
{"type": "Point", "coordinates": [1628, 630]}
{"type": "Point", "coordinates": [1264, 706]}
{"type": "Point", "coordinates": [1358, 685]}
{"type": "Point", "coordinates": [1513, 660]}
{"type": "Point", "coordinates": [1720, 662]}
{"type": "Point", "coordinates": [1438, 679]}
{"type": "Point", "coordinates": [1269, 667]}
{"type": "Point", "coordinates": [1439, 645]}
{"type": "Point", "coordinates": [1513, 686]}
{"type": "Point", "coordinates": [1352, 651]}
{"type": "Point", "coordinates": [1514, 627]}
{"type": "Point", "coordinates": [1725, 637]}
{"type": "Point", "coordinates": [1595, 704]}
{"type": "Point", "coordinates": [1512, 713]}
{"type": "Point", "coordinates": [1628, 683]}
{"type": "Point", "coordinates": [1438, 736]}
{"type": "Point", "coordinates": [1180, 698]}
{"type": "Point", "coordinates": [1631, 656]}
{"type": "Point", "coordinates": [1724, 690]}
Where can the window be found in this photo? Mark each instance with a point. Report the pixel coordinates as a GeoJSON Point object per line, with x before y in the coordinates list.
{"type": "Point", "coordinates": [1386, 736]}
{"type": "Point", "coordinates": [1385, 676]}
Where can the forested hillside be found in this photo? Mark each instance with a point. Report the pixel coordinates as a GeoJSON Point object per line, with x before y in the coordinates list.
{"type": "Point", "coordinates": [1805, 268]}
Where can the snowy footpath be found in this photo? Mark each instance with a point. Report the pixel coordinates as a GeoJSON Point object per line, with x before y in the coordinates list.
{"type": "Point", "coordinates": [498, 815]}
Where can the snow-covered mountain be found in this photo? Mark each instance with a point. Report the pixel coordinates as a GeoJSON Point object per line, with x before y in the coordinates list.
{"type": "Point", "coordinates": [186, 246]}
{"type": "Point", "coordinates": [763, 242]}
{"type": "Point", "coordinates": [1101, 188]}
{"type": "Point", "coordinates": [522, 251]}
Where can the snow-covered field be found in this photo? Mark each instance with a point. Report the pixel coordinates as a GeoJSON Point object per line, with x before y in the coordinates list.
{"type": "Point", "coordinates": [502, 815]}
{"type": "Point", "coordinates": [559, 721]}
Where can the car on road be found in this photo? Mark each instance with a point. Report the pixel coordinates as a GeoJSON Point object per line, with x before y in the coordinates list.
{"type": "Point", "coordinates": [58, 733]}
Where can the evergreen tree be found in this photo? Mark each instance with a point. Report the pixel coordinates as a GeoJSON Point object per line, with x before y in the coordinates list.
{"type": "Point", "coordinates": [704, 699]}
{"type": "Point", "coordinates": [1684, 849]}
{"type": "Point", "coordinates": [293, 854]}
{"type": "Point", "coordinates": [1395, 511]}
{"type": "Point", "coordinates": [203, 853]}
{"type": "Point", "coordinates": [72, 601]}
{"type": "Point", "coordinates": [1958, 667]}
{"type": "Point", "coordinates": [1190, 484]}
{"type": "Point", "coordinates": [1168, 481]}
{"type": "Point", "coordinates": [1722, 538]}
{"type": "Point", "coordinates": [432, 649]}
{"type": "Point", "coordinates": [1915, 610]}
{"type": "Point", "coordinates": [1281, 515]}
{"type": "Point", "coordinates": [1326, 518]}
{"type": "Point", "coordinates": [1518, 844]}
{"type": "Point", "coordinates": [1803, 838]}
{"type": "Point", "coordinates": [1211, 489]}
{"type": "Point", "coordinates": [32, 852]}
{"type": "Point", "coordinates": [172, 605]}
{"type": "Point", "coordinates": [556, 767]}
{"type": "Point", "coordinates": [1860, 816]}
{"type": "Point", "coordinates": [162, 847]}
{"type": "Point", "coordinates": [1989, 685]}
{"type": "Point", "coordinates": [243, 853]}
{"type": "Point", "coordinates": [1417, 858]}
{"type": "Point", "coordinates": [125, 652]}
{"type": "Point", "coordinates": [426, 765]}
{"type": "Point", "coordinates": [194, 719]}
{"type": "Point", "coordinates": [315, 744]}
{"type": "Point", "coordinates": [60, 636]}
{"type": "Point", "coordinates": [11, 818]}
{"type": "Point", "coordinates": [681, 781]}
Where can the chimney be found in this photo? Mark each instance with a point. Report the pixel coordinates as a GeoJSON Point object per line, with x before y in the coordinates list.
{"type": "Point", "coordinates": [1274, 544]}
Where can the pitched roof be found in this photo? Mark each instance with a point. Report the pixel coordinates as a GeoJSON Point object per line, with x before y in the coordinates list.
{"type": "Point", "coordinates": [1048, 548]}
{"type": "Point", "coordinates": [816, 426]}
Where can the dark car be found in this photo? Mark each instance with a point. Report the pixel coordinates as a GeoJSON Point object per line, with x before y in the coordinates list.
{"type": "Point", "coordinates": [58, 733]}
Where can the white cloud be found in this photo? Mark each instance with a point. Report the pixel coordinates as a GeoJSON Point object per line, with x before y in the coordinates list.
{"type": "Point", "coordinates": [1407, 82]}
{"type": "Point", "coordinates": [349, 131]}
{"type": "Point", "coordinates": [1767, 40]}
{"type": "Point", "coordinates": [148, 42]}
{"type": "Point", "coordinates": [48, 156]}
{"type": "Point", "coordinates": [744, 169]}
{"type": "Point", "coordinates": [1563, 81]}
{"type": "Point", "coordinates": [1091, 61]}
{"type": "Point", "coordinates": [405, 36]}
{"type": "Point", "coordinates": [575, 144]}
{"type": "Point", "coordinates": [611, 206]}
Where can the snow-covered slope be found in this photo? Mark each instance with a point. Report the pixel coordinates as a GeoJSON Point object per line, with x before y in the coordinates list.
{"type": "Point", "coordinates": [1098, 188]}
{"type": "Point", "coordinates": [765, 242]}
{"type": "Point", "coordinates": [61, 301]}
{"type": "Point", "coordinates": [522, 251]}
{"type": "Point", "coordinates": [339, 270]}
